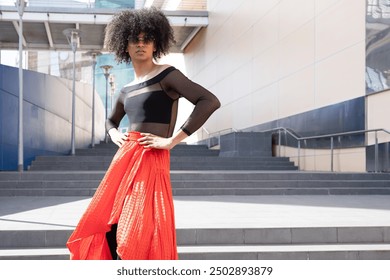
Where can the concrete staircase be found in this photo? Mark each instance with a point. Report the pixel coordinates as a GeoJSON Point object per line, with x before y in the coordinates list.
{"type": "Point", "coordinates": [199, 183]}
{"type": "Point", "coordinates": [332, 243]}
{"type": "Point", "coordinates": [195, 170]}
{"type": "Point", "coordinates": [183, 157]}
{"type": "Point", "coordinates": [198, 171]}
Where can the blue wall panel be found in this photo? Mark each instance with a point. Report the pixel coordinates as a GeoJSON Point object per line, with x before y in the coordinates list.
{"type": "Point", "coordinates": [341, 117]}
{"type": "Point", "coordinates": [46, 116]}
{"type": "Point", "coordinates": [9, 125]}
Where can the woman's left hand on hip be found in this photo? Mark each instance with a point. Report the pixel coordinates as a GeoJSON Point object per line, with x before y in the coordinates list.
{"type": "Point", "coordinates": [156, 142]}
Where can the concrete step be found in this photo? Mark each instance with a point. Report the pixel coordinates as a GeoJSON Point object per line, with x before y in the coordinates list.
{"type": "Point", "coordinates": [269, 252]}
{"type": "Point", "coordinates": [112, 146]}
{"type": "Point", "coordinates": [251, 243]}
{"type": "Point", "coordinates": [180, 188]}
{"type": "Point", "coordinates": [60, 183]}
{"type": "Point", "coordinates": [35, 254]}
{"type": "Point", "coordinates": [177, 163]}
{"type": "Point", "coordinates": [181, 159]}
{"type": "Point", "coordinates": [198, 184]}
{"type": "Point", "coordinates": [287, 252]}
{"type": "Point", "coordinates": [88, 192]}
{"type": "Point", "coordinates": [194, 153]}
{"type": "Point", "coordinates": [200, 175]}
{"type": "Point", "coordinates": [14, 239]}
{"type": "Point", "coordinates": [177, 148]}
{"type": "Point", "coordinates": [271, 191]}
{"type": "Point", "coordinates": [174, 166]}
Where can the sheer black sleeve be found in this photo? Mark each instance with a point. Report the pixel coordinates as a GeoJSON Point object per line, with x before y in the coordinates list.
{"type": "Point", "coordinates": [117, 114]}
{"type": "Point", "coordinates": [175, 83]}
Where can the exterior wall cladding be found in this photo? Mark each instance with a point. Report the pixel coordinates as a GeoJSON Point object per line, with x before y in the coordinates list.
{"type": "Point", "coordinates": [46, 116]}
{"type": "Point", "coordinates": [297, 64]}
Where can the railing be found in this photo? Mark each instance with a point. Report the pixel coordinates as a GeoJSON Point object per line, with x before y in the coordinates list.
{"type": "Point", "coordinates": [184, 5]}
{"type": "Point", "coordinates": [299, 139]}
{"type": "Point", "coordinates": [216, 134]}
{"type": "Point", "coordinates": [50, 3]}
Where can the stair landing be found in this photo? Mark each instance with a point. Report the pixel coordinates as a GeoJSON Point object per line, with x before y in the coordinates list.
{"type": "Point", "coordinates": [293, 211]}
{"type": "Point", "coordinates": [220, 227]}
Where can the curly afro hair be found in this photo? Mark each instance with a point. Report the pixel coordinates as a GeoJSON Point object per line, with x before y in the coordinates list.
{"type": "Point", "coordinates": [128, 24]}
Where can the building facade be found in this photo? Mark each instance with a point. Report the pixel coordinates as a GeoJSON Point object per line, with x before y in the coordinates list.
{"type": "Point", "coordinates": [296, 64]}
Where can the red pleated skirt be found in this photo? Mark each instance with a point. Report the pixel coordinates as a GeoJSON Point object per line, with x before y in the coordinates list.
{"type": "Point", "coordinates": [135, 194]}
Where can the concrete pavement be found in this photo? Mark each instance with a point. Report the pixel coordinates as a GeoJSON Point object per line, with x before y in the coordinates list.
{"type": "Point", "coordinates": [53, 213]}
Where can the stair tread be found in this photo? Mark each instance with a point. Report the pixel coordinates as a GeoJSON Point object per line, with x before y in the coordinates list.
{"type": "Point", "coordinates": [285, 248]}
{"type": "Point", "coordinates": [222, 249]}
{"type": "Point", "coordinates": [24, 181]}
{"type": "Point", "coordinates": [212, 172]}
{"type": "Point", "coordinates": [33, 251]}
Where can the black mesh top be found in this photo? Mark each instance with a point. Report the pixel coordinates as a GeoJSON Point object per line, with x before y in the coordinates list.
{"type": "Point", "coordinates": [151, 106]}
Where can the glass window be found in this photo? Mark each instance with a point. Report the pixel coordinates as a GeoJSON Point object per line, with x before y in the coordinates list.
{"type": "Point", "coordinates": [377, 46]}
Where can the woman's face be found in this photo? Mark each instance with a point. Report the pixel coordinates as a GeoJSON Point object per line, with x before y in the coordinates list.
{"type": "Point", "coordinates": [141, 48]}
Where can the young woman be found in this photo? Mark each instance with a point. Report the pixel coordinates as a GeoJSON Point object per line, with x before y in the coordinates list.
{"type": "Point", "coordinates": [131, 215]}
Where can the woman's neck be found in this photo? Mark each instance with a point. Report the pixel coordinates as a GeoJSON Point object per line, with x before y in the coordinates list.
{"type": "Point", "coordinates": [144, 70]}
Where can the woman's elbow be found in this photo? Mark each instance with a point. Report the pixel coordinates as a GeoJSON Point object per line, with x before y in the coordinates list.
{"type": "Point", "coordinates": [216, 103]}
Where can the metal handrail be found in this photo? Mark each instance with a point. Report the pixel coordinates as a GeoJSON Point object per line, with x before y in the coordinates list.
{"type": "Point", "coordinates": [219, 133]}
{"type": "Point", "coordinates": [331, 136]}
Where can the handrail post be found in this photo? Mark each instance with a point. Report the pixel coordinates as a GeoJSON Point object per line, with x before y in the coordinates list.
{"type": "Point", "coordinates": [387, 156]}
{"type": "Point", "coordinates": [285, 137]}
{"type": "Point", "coordinates": [208, 136]}
{"type": "Point", "coordinates": [279, 143]}
{"type": "Point", "coordinates": [376, 151]}
{"type": "Point", "coordinates": [331, 154]}
{"type": "Point", "coordinates": [299, 154]}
